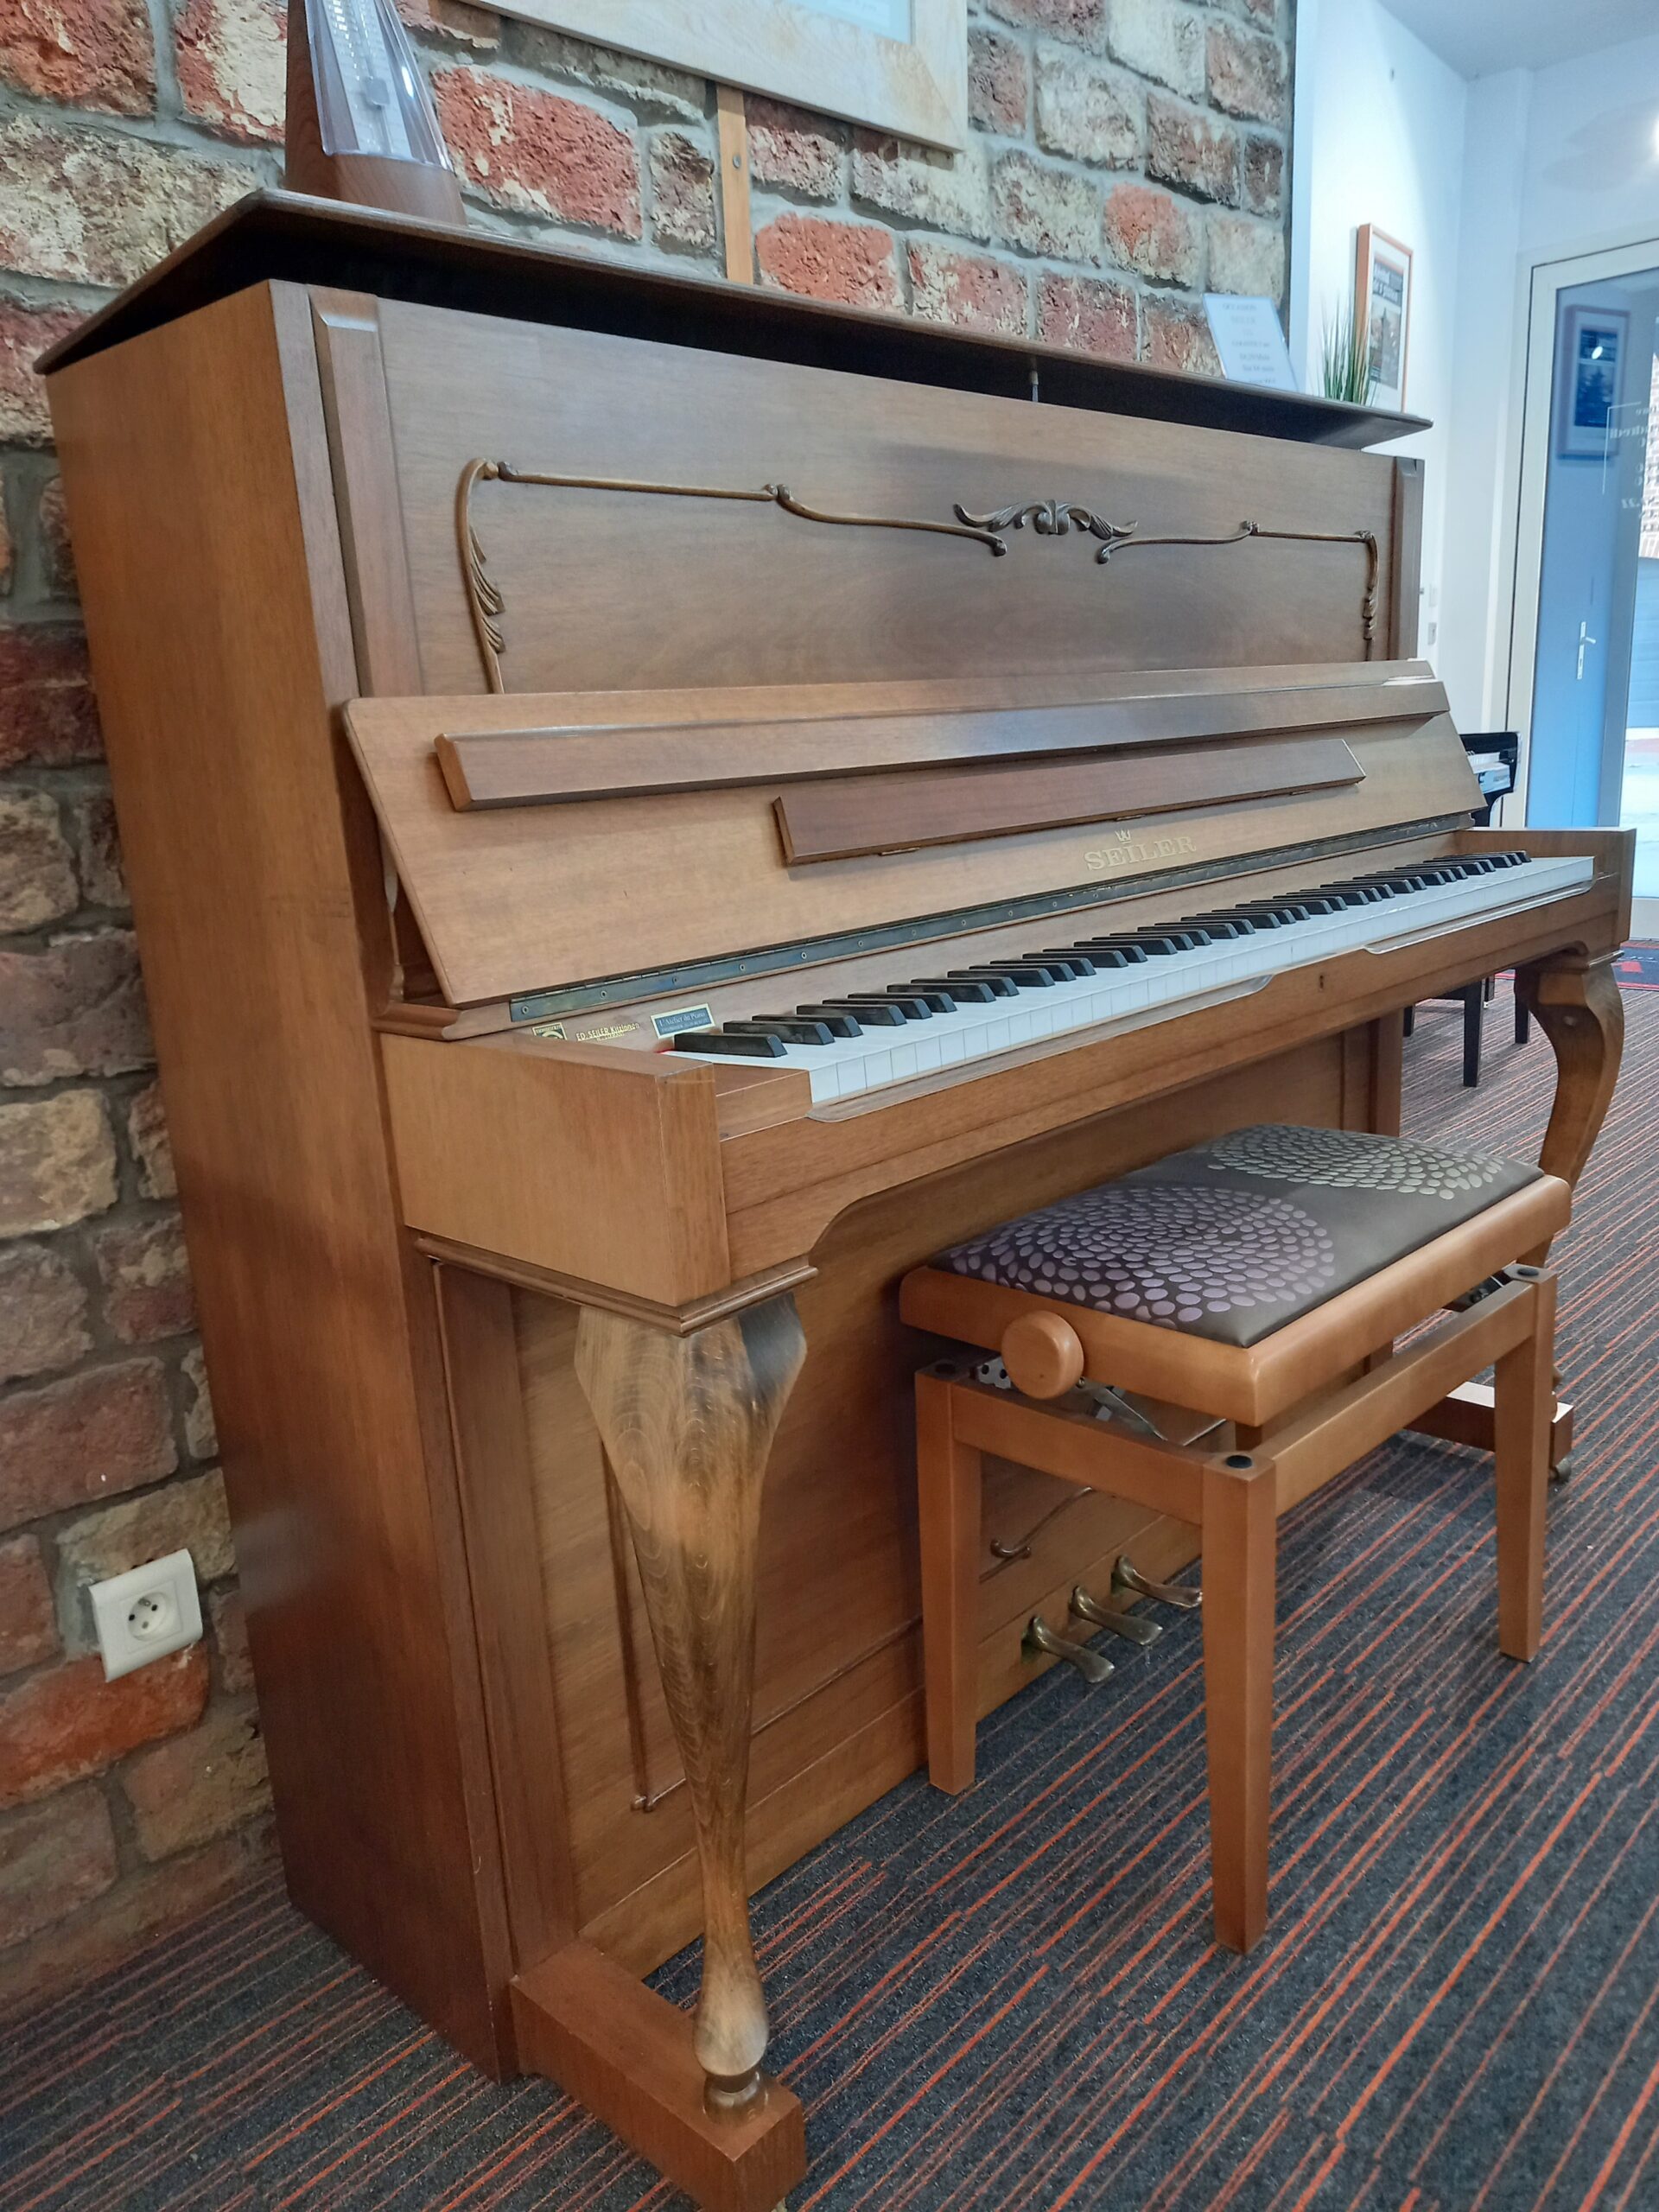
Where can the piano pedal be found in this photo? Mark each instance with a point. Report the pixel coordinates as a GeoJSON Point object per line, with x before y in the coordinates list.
{"type": "Point", "coordinates": [1127, 1625]}
{"type": "Point", "coordinates": [1040, 1639]}
{"type": "Point", "coordinates": [1126, 1575]}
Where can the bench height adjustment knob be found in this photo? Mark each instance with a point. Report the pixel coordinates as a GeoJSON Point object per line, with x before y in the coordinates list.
{"type": "Point", "coordinates": [1043, 1355]}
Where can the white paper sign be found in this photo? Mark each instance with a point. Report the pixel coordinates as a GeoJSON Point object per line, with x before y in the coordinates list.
{"type": "Point", "coordinates": [1250, 340]}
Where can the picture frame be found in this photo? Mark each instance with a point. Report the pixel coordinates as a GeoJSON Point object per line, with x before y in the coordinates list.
{"type": "Point", "coordinates": [1383, 303]}
{"type": "Point", "coordinates": [1589, 365]}
{"type": "Point", "coordinates": [898, 66]}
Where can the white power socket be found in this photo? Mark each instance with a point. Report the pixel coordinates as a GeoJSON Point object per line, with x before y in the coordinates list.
{"type": "Point", "coordinates": [145, 1613]}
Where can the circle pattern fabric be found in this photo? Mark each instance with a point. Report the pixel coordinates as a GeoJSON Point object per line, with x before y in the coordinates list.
{"type": "Point", "coordinates": [1338, 1159]}
{"type": "Point", "coordinates": [1170, 1253]}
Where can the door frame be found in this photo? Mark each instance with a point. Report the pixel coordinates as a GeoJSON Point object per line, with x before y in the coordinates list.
{"type": "Point", "coordinates": [1542, 279]}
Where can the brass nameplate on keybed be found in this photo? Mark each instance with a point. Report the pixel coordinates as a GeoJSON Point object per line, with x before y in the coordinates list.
{"type": "Point", "coordinates": [846, 817]}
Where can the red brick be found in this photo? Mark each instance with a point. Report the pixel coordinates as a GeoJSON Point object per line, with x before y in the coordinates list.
{"type": "Point", "coordinates": [1081, 22]}
{"type": "Point", "coordinates": [148, 1141]}
{"type": "Point", "coordinates": [189, 1515]}
{"type": "Point", "coordinates": [91, 1437]}
{"type": "Point", "coordinates": [45, 1309]}
{"type": "Point", "coordinates": [852, 262]}
{"type": "Point", "coordinates": [146, 1280]}
{"type": "Point", "coordinates": [37, 874]}
{"type": "Point", "coordinates": [97, 851]}
{"type": "Point", "coordinates": [76, 1009]}
{"type": "Point", "coordinates": [1159, 39]}
{"type": "Point", "coordinates": [1246, 256]}
{"type": "Point", "coordinates": [47, 719]}
{"type": "Point", "coordinates": [534, 151]}
{"type": "Point", "coordinates": [59, 1726]}
{"type": "Point", "coordinates": [968, 289]}
{"type": "Point", "coordinates": [1091, 315]}
{"type": "Point", "coordinates": [1177, 336]}
{"type": "Point", "coordinates": [58, 554]}
{"type": "Point", "coordinates": [200, 1436]}
{"type": "Point", "coordinates": [1188, 148]}
{"type": "Point", "coordinates": [917, 185]}
{"type": "Point", "coordinates": [1264, 175]}
{"type": "Point", "coordinates": [1146, 230]}
{"type": "Point", "coordinates": [1047, 211]}
{"type": "Point", "coordinates": [999, 81]}
{"type": "Point", "coordinates": [795, 152]}
{"type": "Point", "coordinates": [96, 208]}
{"type": "Point", "coordinates": [53, 1858]}
{"type": "Point", "coordinates": [1092, 113]}
{"type": "Point", "coordinates": [681, 192]}
{"type": "Point", "coordinates": [25, 332]}
{"type": "Point", "coordinates": [479, 28]}
{"type": "Point", "coordinates": [230, 1618]}
{"type": "Point", "coordinates": [231, 60]}
{"type": "Point", "coordinates": [196, 1787]}
{"type": "Point", "coordinates": [84, 53]}
{"type": "Point", "coordinates": [1249, 75]}
{"type": "Point", "coordinates": [144, 1906]}
{"type": "Point", "coordinates": [29, 1627]}
{"type": "Point", "coordinates": [57, 1163]}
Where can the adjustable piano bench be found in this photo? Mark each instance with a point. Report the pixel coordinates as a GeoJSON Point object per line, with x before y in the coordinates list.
{"type": "Point", "coordinates": [1260, 1280]}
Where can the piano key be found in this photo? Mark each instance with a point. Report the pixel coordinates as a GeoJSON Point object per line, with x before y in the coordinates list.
{"type": "Point", "coordinates": [716, 1044]}
{"type": "Point", "coordinates": [838, 1025]}
{"type": "Point", "coordinates": [790, 1027]}
{"type": "Point", "coordinates": [999, 984]}
{"type": "Point", "coordinates": [961, 990]}
{"type": "Point", "coordinates": [873, 1010]}
{"type": "Point", "coordinates": [910, 1009]}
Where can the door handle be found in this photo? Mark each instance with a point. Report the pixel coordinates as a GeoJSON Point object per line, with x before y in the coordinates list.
{"type": "Point", "coordinates": [1585, 638]}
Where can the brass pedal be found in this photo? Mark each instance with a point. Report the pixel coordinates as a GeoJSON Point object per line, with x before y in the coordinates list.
{"type": "Point", "coordinates": [1126, 1575]}
{"type": "Point", "coordinates": [1039, 1637]}
{"type": "Point", "coordinates": [1131, 1629]}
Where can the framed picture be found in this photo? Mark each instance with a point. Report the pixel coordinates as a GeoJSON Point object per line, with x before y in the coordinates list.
{"type": "Point", "coordinates": [1586, 380]}
{"type": "Point", "coordinates": [897, 64]}
{"type": "Point", "coordinates": [1382, 301]}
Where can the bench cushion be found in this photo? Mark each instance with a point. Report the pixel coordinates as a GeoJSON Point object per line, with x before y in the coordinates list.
{"type": "Point", "coordinates": [1236, 1237]}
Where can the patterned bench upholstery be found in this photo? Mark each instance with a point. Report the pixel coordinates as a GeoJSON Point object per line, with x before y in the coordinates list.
{"type": "Point", "coordinates": [1239, 1236]}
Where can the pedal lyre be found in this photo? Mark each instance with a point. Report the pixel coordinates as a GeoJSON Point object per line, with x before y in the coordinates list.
{"type": "Point", "coordinates": [1126, 1575]}
{"type": "Point", "coordinates": [1039, 1637]}
{"type": "Point", "coordinates": [1132, 1630]}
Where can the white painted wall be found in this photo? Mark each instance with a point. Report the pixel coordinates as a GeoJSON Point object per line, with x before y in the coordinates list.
{"type": "Point", "coordinates": [1482, 179]}
{"type": "Point", "coordinates": [1380, 125]}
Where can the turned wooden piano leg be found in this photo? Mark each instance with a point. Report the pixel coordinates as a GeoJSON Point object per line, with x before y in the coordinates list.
{"type": "Point", "coordinates": [687, 1423]}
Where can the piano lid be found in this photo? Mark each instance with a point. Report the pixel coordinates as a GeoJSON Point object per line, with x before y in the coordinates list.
{"type": "Point", "coordinates": [285, 236]}
{"type": "Point", "coordinates": [550, 840]}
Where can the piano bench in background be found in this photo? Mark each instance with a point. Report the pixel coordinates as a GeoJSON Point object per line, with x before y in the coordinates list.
{"type": "Point", "coordinates": [1260, 1280]}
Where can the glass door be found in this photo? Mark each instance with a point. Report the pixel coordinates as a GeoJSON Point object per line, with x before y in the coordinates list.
{"type": "Point", "coordinates": [1594, 721]}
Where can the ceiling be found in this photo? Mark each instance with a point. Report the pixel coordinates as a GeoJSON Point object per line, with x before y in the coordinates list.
{"type": "Point", "coordinates": [1479, 36]}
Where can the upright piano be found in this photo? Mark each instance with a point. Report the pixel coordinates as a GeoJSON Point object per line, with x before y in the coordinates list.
{"type": "Point", "coordinates": [651, 808]}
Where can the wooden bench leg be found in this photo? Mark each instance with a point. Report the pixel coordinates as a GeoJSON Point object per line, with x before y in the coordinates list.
{"type": "Point", "coordinates": [948, 1486]}
{"type": "Point", "coordinates": [1523, 1403]}
{"type": "Point", "coordinates": [1240, 1541]}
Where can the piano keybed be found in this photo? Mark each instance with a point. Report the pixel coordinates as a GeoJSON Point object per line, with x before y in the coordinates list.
{"type": "Point", "coordinates": [849, 1046]}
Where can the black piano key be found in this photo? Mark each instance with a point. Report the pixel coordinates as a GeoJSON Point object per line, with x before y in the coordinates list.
{"type": "Point", "coordinates": [911, 1009]}
{"type": "Point", "coordinates": [838, 1025]}
{"type": "Point", "coordinates": [1109, 955]}
{"type": "Point", "coordinates": [1153, 943]}
{"type": "Point", "coordinates": [794, 1029]}
{"type": "Point", "coordinates": [874, 1012]}
{"type": "Point", "coordinates": [1020, 974]}
{"type": "Point", "coordinates": [1133, 950]}
{"type": "Point", "coordinates": [1225, 925]}
{"type": "Point", "coordinates": [999, 985]}
{"type": "Point", "coordinates": [961, 990]}
{"type": "Point", "coordinates": [1076, 964]}
{"type": "Point", "coordinates": [936, 997]}
{"type": "Point", "coordinates": [759, 1045]}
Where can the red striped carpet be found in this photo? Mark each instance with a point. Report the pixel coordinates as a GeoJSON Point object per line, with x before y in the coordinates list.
{"type": "Point", "coordinates": [1012, 2001]}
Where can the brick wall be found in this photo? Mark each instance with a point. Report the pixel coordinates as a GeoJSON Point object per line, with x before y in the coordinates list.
{"type": "Point", "coordinates": [1125, 156]}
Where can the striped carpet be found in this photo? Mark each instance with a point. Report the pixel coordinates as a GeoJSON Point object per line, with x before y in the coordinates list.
{"type": "Point", "coordinates": [1012, 2001]}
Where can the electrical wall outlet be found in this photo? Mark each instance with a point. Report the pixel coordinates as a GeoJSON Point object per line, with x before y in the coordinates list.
{"type": "Point", "coordinates": [144, 1614]}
